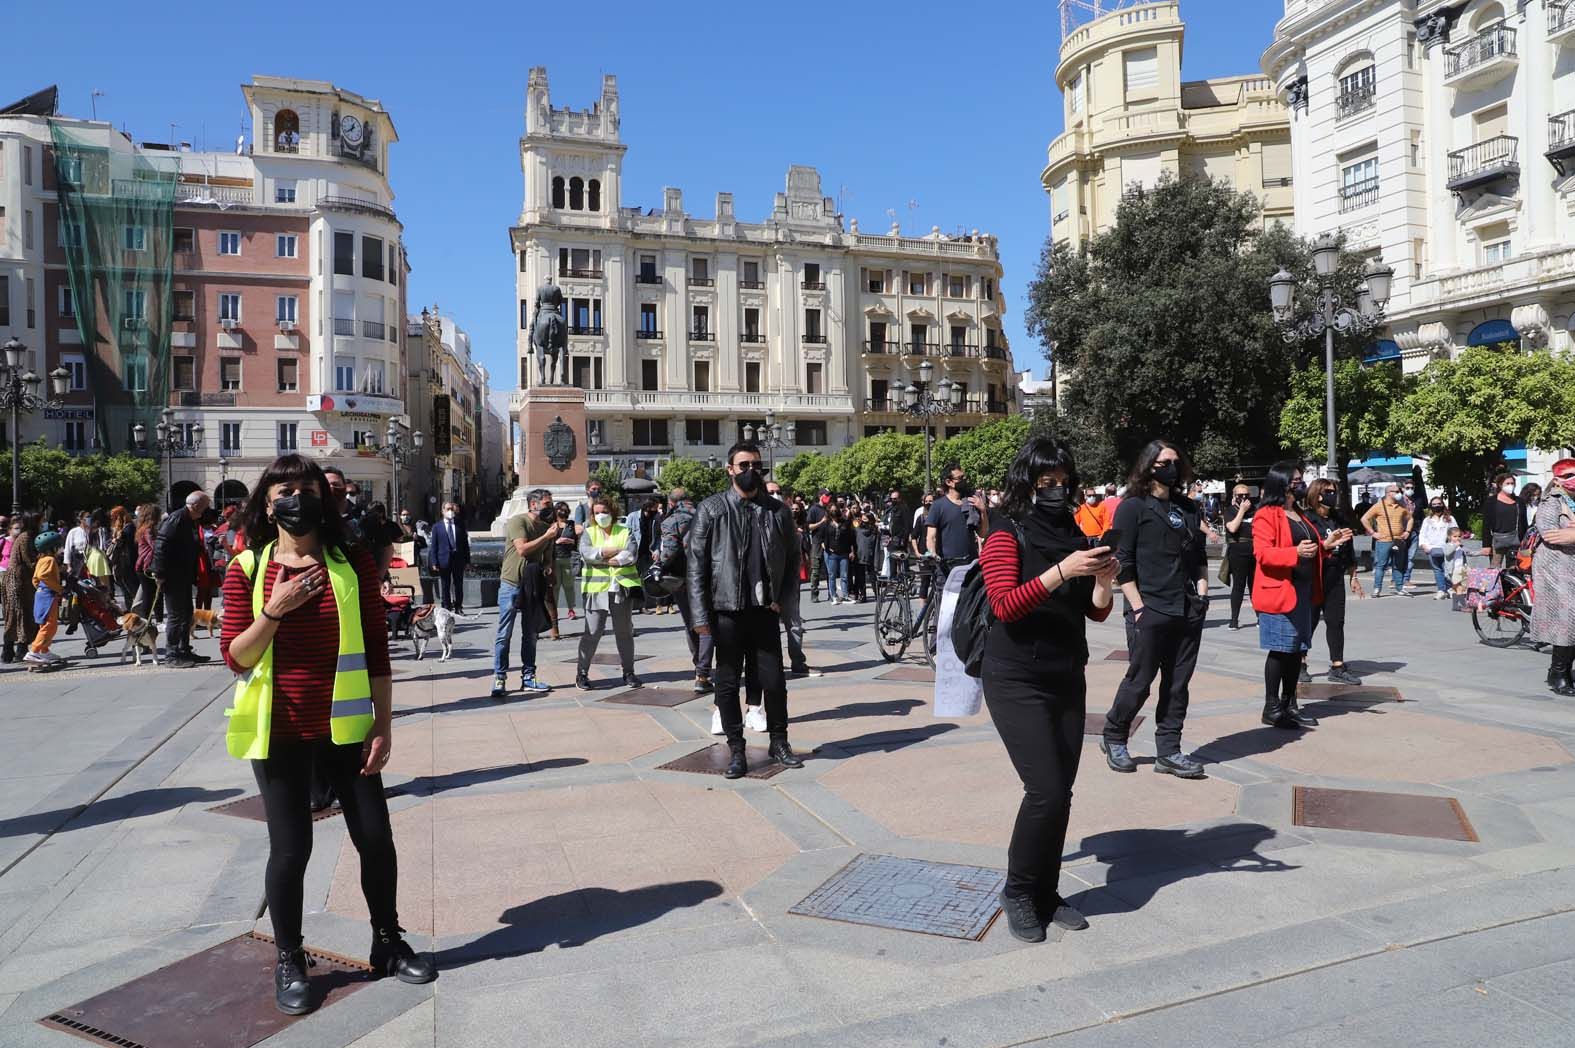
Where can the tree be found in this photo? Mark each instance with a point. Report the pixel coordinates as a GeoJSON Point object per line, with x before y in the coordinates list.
{"type": "Point", "coordinates": [1163, 329]}
{"type": "Point", "coordinates": [609, 478]}
{"type": "Point", "coordinates": [986, 451]}
{"type": "Point", "coordinates": [696, 478]}
{"type": "Point", "coordinates": [1364, 396]}
{"type": "Point", "coordinates": [804, 473]}
{"type": "Point", "coordinates": [1463, 413]}
{"type": "Point", "coordinates": [878, 464]}
{"type": "Point", "coordinates": [63, 484]}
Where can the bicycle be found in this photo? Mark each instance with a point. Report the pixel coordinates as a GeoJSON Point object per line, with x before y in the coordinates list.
{"type": "Point", "coordinates": [896, 625]}
{"type": "Point", "coordinates": [1503, 617]}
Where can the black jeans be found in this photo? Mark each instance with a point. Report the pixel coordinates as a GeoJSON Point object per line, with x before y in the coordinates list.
{"type": "Point", "coordinates": [759, 632]}
{"type": "Point", "coordinates": [1040, 719]}
{"type": "Point", "coordinates": [1332, 611]}
{"type": "Point", "coordinates": [1242, 565]}
{"type": "Point", "coordinates": [285, 781]}
{"type": "Point", "coordinates": [177, 606]}
{"type": "Point", "coordinates": [1163, 645]}
{"type": "Point", "coordinates": [858, 575]}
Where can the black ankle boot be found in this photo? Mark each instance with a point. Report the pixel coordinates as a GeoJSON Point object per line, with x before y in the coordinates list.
{"type": "Point", "coordinates": [1275, 714]}
{"type": "Point", "coordinates": [392, 955]}
{"type": "Point", "coordinates": [8, 654]}
{"type": "Point", "coordinates": [782, 753]}
{"type": "Point", "coordinates": [737, 765]}
{"type": "Point", "coordinates": [1302, 720]}
{"type": "Point", "coordinates": [292, 993]}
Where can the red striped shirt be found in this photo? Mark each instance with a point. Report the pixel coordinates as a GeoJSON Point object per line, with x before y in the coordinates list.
{"type": "Point", "coordinates": [1011, 600]}
{"type": "Point", "coordinates": [306, 644]}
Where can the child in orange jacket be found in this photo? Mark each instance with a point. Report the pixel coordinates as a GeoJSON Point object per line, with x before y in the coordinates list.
{"type": "Point", "coordinates": [47, 593]}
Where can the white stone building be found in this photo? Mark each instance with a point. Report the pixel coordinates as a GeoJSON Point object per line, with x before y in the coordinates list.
{"type": "Point", "coordinates": [682, 329]}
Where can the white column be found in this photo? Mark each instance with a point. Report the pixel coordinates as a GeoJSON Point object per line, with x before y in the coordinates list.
{"type": "Point", "coordinates": [1540, 225]}
{"type": "Point", "coordinates": [1436, 145]}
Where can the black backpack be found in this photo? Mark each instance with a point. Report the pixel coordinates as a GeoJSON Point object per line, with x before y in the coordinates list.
{"type": "Point", "coordinates": [972, 618]}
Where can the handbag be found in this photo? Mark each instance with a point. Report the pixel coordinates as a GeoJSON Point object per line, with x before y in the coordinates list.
{"type": "Point", "coordinates": [1224, 572]}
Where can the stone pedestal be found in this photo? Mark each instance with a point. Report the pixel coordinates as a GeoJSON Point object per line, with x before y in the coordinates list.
{"type": "Point", "coordinates": [539, 411]}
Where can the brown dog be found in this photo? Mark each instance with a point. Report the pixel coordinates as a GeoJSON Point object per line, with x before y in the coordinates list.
{"type": "Point", "coordinates": [212, 621]}
{"type": "Point", "coordinates": [141, 635]}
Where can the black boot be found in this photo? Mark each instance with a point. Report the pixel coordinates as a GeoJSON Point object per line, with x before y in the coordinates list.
{"type": "Point", "coordinates": [782, 753]}
{"type": "Point", "coordinates": [1294, 712]}
{"type": "Point", "coordinates": [737, 765]}
{"type": "Point", "coordinates": [8, 654]}
{"type": "Point", "coordinates": [292, 993]}
{"type": "Point", "coordinates": [392, 955]}
{"type": "Point", "coordinates": [1559, 674]}
{"type": "Point", "coordinates": [1275, 714]}
{"type": "Point", "coordinates": [1022, 919]}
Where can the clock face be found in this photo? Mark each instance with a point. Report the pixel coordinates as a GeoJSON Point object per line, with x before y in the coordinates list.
{"type": "Point", "coordinates": [350, 130]}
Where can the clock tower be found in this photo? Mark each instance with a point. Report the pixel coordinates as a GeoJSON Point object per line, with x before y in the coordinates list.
{"type": "Point", "coordinates": [571, 159]}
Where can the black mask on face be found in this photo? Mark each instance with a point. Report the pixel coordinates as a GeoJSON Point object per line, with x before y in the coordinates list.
{"type": "Point", "coordinates": [963, 488]}
{"type": "Point", "coordinates": [1330, 499]}
{"type": "Point", "coordinates": [1299, 488]}
{"type": "Point", "coordinates": [546, 512]}
{"type": "Point", "coordinates": [298, 514]}
{"type": "Point", "coordinates": [1051, 500]}
{"type": "Point", "coordinates": [1167, 474]}
{"type": "Point", "coordinates": [747, 481]}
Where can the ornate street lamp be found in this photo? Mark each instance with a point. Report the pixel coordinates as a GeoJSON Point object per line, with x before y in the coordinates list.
{"type": "Point", "coordinates": [917, 401]}
{"type": "Point", "coordinates": [771, 437]}
{"type": "Point", "coordinates": [399, 454]}
{"type": "Point", "coordinates": [170, 439]}
{"type": "Point", "coordinates": [19, 391]}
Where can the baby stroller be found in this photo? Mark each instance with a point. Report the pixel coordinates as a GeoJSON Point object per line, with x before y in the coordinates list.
{"type": "Point", "coordinates": [94, 611]}
{"type": "Point", "coordinates": [399, 598]}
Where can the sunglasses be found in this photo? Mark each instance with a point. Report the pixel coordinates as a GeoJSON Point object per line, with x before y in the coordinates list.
{"type": "Point", "coordinates": [744, 467]}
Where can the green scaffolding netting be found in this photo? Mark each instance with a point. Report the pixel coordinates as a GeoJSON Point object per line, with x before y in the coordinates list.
{"type": "Point", "coordinates": [117, 210]}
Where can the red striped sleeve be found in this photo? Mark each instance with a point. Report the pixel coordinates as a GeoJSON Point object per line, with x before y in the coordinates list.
{"type": "Point", "coordinates": [1001, 562]}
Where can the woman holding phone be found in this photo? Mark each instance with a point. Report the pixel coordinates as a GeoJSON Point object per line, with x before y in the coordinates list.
{"type": "Point", "coordinates": [1287, 587]}
{"type": "Point", "coordinates": [1322, 511]}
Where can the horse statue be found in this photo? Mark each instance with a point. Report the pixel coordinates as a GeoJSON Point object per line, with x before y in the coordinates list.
{"type": "Point", "coordinates": [549, 336]}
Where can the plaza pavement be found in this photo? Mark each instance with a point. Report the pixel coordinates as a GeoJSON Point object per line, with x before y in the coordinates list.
{"type": "Point", "coordinates": [576, 894]}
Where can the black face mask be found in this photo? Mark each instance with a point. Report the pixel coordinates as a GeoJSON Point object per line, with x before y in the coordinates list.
{"type": "Point", "coordinates": [747, 481]}
{"type": "Point", "coordinates": [1330, 499]}
{"type": "Point", "coordinates": [963, 488]}
{"type": "Point", "coordinates": [1299, 489]}
{"type": "Point", "coordinates": [546, 513]}
{"type": "Point", "coordinates": [1167, 474]}
{"type": "Point", "coordinates": [299, 514]}
{"type": "Point", "coordinates": [1052, 502]}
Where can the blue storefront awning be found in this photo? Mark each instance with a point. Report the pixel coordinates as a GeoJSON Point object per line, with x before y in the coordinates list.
{"type": "Point", "coordinates": [1397, 464]}
{"type": "Point", "coordinates": [1493, 332]}
{"type": "Point", "coordinates": [1382, 350]}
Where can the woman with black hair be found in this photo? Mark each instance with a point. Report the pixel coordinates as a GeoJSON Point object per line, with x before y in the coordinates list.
{"type": "Point", "coordinates": [1164, 578]}
{"type": "Point", "coordinates": [1285, 590]}
{"type": "Point", "coordinates": [1322, 510]}
{"type": "Point", "coordinates": [1043, 582]}
{"type": "Point", "coordinates": [305, 631]}
{"type": "Point", "coordinates": [1238, 548]}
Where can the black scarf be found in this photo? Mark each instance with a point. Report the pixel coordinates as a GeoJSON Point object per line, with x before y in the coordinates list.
{"type": "Point", "coordinates": [1046, 542]}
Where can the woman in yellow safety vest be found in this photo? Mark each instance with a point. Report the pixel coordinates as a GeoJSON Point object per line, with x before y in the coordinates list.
{"type": "Point", "coordinates": [304, 630]}
{"type": "Point", "coordinates": [610, 578]}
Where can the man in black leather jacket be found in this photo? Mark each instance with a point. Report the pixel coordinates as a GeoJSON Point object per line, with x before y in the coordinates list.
{"type": "Point", "coordinates": [177, 546]}
{"type": "Point", "coordinates": [743, 554]}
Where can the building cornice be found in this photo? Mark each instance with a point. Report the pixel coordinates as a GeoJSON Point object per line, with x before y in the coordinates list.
{"type": "Point", "coordinates": [1292, 36]}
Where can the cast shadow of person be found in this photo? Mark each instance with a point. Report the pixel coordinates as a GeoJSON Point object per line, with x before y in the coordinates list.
{"type": "Point", "coordinates": [1140, 862]}
{"type": "Point", "coordinates": [575, 918]}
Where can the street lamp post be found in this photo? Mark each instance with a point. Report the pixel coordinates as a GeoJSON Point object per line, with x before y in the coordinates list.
{"type": "Point", "coordinates": [1332, 316]}
{"type": "Point", "coordinates": [398, 453]}
{"type": "Point", "coordinates": [168, 441]}
{"type": "Point", "coordinates": [919, 402]}
{"type": "Point", "coordinates": [19, 391]}
{"type": "Point", "coordinates": [771, 437]}
{"type": "Point", "coordinates": [224, 478]}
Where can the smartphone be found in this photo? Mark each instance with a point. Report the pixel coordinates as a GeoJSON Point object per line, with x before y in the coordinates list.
{"type": "Point", "coordinates": [1111, 538]}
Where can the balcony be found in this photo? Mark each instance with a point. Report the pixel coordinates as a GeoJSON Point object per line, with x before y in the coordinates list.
{"type": "Point", "coordinates": [648, 335]}
{"type": "Point", "coordinates": [646, 402]}
{"type": "Point", "coordinates": [922, 349]}
{"type": "Point", "coordinates": [1561, 21]}
{"type": "Point", "coordinates": [813, 285]}
{"type": "Point", "coordinates": [751, 336]}
{"type": "Point", "coordinates": [583, 274]}
{"type": "Point", "coordinates": [587, 329]}
{"type": "Point", "coordinates": [702, 336]}
{"type": "Point", "coordinates": [996, 353]}
{"type": "Point", "coordinates": [752, 285]}
{"type": "Point", "coordinates": [1484, 162]}
{"type": "Point", "coordinates": [365, 207]}
{"type": "Point", "coordinates": [962, 349]}
{"type": "Point", "coordinates": [647, 278]}
{"type": "Point", "coordinates": [1484, 59]}
{"type": "Point", "coordinates": [884, 405]}
{"type": "Point", "coordinates": [372, 329]}
{"type": "Point", "coordinates": [1561, 140]}
{"type": "Point", "coordinates": [1355, 103]}
{"type": "Point", "coordinates": [344, 326]}
{"type": "Point", "coordinates": [995, 407]}
{"type": "Point", "coordinates": [701, 282]}
{"type": "Point", "coordinates": [1359, 194]}
{"type": "Point", "coordinates": [881, 347]}
{"type": "Point", "coordinates": [201, 193]}
{"type": "Point", "coordinates": [815, 339]}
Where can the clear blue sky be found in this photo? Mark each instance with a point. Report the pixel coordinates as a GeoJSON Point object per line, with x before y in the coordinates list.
{"type": "Point", "coordinates": [947, 105]}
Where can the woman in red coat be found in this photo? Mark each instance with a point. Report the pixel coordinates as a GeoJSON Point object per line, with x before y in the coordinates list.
{"type": "Point", "coordinates": [1286, 585]}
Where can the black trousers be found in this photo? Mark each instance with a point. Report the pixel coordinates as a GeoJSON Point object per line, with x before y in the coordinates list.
{"type": "Point", "coordinates": [858, 580]}
{"type": "Point", "coordinates": [1166, 646]}
{"type": "Point", "coordinates": [1242, 565]}
{"type": "Point", "coordinates": [757, 631]}
{"type": "Point", "coordinates": [177, 606]}
{"type": "Point", "coordinates": [451, 587]}
{"type": "Point", "coordinates": [285, 781]}
{"type": "Point", "coordinates": [1332, 612]}
{"type": "Point", "coordinates": [1040, 719]}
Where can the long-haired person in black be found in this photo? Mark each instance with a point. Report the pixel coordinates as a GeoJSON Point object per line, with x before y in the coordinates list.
{"type": "Point", "coordinates": [1043, 582]}
{"type": "Point", "coordinates": [1288, 586]}
{"type": "Point", "coordinates": [1164, 578]}
{"type": "Point", "coordinates": [1238, 548]}
{"type": "Point", "coordinates": [1322, 511]}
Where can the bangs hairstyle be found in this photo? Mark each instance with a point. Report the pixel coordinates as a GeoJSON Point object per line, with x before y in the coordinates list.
{"type": "Point", "coordinates": [291, 469]}
{"type": "Point", "coordinates": [1314, 497]}
{"type": "Point", "coordinates": [1039, 456]}
{"type": "Point", "coordinates": [1143, 469]}
{"type": "Point", "coordinates": [1277, 483]}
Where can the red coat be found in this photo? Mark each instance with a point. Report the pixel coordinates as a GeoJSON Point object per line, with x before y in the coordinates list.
{"type": "Point", "coordinates": [1272, 589]}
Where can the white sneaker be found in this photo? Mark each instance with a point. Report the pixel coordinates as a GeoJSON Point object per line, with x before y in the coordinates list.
{"type": "Point", "coordinates": [33, 656]}
{"type": "Point", "coordinates": [716, 722]}
{"type": "Point", "coordinates": [755, 719]}
{"type": "Point", "coordinates": [50, 656]}
{"type": "Point", "coordinates": [1441, 595]}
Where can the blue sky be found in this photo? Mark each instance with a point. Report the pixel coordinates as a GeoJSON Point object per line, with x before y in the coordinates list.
{"type": "Point", "coordinates": [949, 106]}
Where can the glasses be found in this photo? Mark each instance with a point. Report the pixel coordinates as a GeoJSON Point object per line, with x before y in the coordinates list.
{"type": "Point", "coordinates": [750, 464]}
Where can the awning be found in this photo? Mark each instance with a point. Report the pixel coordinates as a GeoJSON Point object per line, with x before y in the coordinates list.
{"type": "Point", "coordinates": [1382, 350]}
{"type": "Point", "coordinates": [1388, 465]}
{"type": "Point", "coordinates": [1492, 332]}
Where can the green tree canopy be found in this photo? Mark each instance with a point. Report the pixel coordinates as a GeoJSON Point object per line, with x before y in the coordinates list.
{"type": "Point", "coordinates": [609, 477]}
{"type": "Point", "coordinates": [65, 484]}
{"type": "Point", "coordinates": [879, 463]}
{"type": "Point", "coordinates": [696, 478]}
{"type": "Point", "coordinates": [804, 473]}
{"type": "Point", "coordinates": [985, 452]}
{"type": "Point", "coordinates": [1364, 399]}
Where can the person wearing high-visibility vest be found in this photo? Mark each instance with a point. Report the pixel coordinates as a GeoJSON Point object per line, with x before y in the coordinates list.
{"type": "Point", "coordinates": [609, 582]}
{"type": "Point", "coordinates": [305, 632]}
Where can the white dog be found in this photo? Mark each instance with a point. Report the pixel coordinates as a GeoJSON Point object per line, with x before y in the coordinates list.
{"type": "Point", "coordinates": [439, 626]}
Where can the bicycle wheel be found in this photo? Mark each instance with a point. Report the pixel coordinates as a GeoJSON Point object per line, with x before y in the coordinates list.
{"type": "Point", "coordinates": [932, 619]}
{"type": "Point", "coordinates": [893, 624]}
{"type": "Point", "coordinates": [1502, 622]}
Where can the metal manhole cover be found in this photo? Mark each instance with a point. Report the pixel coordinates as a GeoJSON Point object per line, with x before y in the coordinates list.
{"type": "Point", "coordinates": [910, 895]}
{"type": "Point", "coordinates": [1347, 693]}
{"type": "Point", "coordinates": [603, 658]}
{"type": "Point", "coordinates": [221, 996]}
{"type": "Point", "coordinates": [713, 761]}
{"type": "Point", "coordinates": [654, 697]}
{"type": "Point", "coordinates": [1094, 723]}
{"type": "Point", "coordinates": [252, 807]}
{"type": "Point", "coordinates": [1119, 655]}
{"type": "Point", "coordinates": [917, 674]}
{"type": "Point", "coordinates": [1369, 811]}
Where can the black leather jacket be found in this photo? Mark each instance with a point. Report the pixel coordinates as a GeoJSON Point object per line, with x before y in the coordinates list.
{"type": "Point", "coordinates": [176, 546]}
{"type": "Point", "coordinates": [717, 541]}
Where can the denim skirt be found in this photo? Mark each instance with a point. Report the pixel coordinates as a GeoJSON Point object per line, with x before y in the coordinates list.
{"type": "Point", "coordinates": [1288, 631]}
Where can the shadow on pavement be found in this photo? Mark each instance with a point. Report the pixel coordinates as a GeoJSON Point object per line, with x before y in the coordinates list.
{"type": "Point", "coordinates": [1361, 667]}
{"type": "Point", "coordinates": [1256, 742]}
{"type": "Point", "coordinates": [891, 708]}
{"type": "Point", "coordinates": [1142, 861]}
{"type": "Point", "coordinates": [426, 785]}
{"type": "Point", "coordinates": [142, 802]}
{"type": "Point", "coordinates": [575, 918]}
{"type": "Point", "coordinates": [884, 741]}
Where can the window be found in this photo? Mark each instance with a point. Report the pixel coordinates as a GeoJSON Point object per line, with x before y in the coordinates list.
{"type": "Point", "coordinates": [1074, 94]}
{"type": "Point", "coordinates": [284, 192]}
{"type": "Point", "coordinates": [1492, 122]}
{"type": "Point", "coordinates": [702, 376]}
{"type": "Point", "coordinates": [229, 243]}
{"type": "Point", "coordinates": [700, 271]}
{"type": "Point", "coordinates": [344, 374]}
{"type": "Point", "coordinates": [287, 436]}
{"type": "Point", "coordinates": [959, 335]}
{"type": "Point", "coordinates": [183, 373]}
{"type": "Point", "coordinates": [27, 230]}
{"type": "Point", "coordinates": [27, 165]}
{"type": "Point", "coordinates": [920, 335]}
{"type": "Point", "coordinates": [229, 438]}
{"type": "Point", "coordinates": [557, 192]}
{"type": "Point", "coordinates": [1357, 91]}
{"type": "Point", "coordinates": [648, 318]}
{"type": "Point", "coordinates": [183, 242]}
{"type": "Point", "coordinates": [75, 436]}
{"type": "Point", "coordinates": [576, 194]}
{"type": "Point", "coordinates": [1141, 69]}
{"type": "Point", "coordinates": [752, 324]}
{"type": "Point", "coordinates": [649, 370]}
{"type": "Point", "coordinates": [813, 380]}
{"type": "Point", "coordinates": [1359, 184]}
{"type": "Point", "coordinates": [700, 326]}
{"type": "Point", "coordinates": [1496, 252]}
{"type": "Point", "coordinates": [68, 306]}
{"type": "Point", "coordinates": [1416, 150]}
{"type": "Point", "coordinates": [957, 286]}
{"type": "Point", "coordinates": [587, 372]}
{"type": "Point", "coordinates": [230, 306]}
{"type": "Point", "coordinates": [1410, 50]}
{"type": "Point", "coordinates": [810, 434]}
{"type": "Point", "coordinates": [29, 289]}
{"type": "Point", "coordinates": [230, 373]}
{"type": "Point", "coordinates": [5, 301]}
{"type": "Point", "coordinates": [136, 303]}
{"type": "Point", "coordinates": [136, 237]}
{"type": "Point", "coordinates": [595, 432]}
{"type": "Point", "coordinates": [372, 258]}
{"type": "Point", "coordinates": [594, 195]}
{"type": "Point", "coordinates": [752, 376]}
{"type": "Point", "coordinates": [286, 131]}
{"type": "Point", "coordinates": [989, 288]}
{"type": "Point", "coordinates": [284, 309]}
{"type": "Point", "coordinates": [706, 431]}
{"type": "Point", "coordinates": [648, 270]}
{"type": "Point", "coordinates": [918, 283]}
{"type": "Point", "coordinates": [751, 276]}
{"type": "Point", "coordinates": [76, 364]}
{"type": "Point", "coordinates": [812, 279]}
{"type": "Point", "coordinates": [1418, 258]}
{"type": "Point", "coordinates": [289, 371]}
{"type": "Point", "coordinates": [183, 304]}
{"type": "Point", "coordinates": [812, 326]}
{"type": "Point", "coordinates": [372, 381]}
{"type": "Point", "coordinates": [393, 262]}
{"type": "Point", "coordinates": [344, 254]}
{"type": "Point", "coordinates": [524, 315]}
{"type": "Point", "coordinates": [650, 432]}
{"type": "Point", "coordinates": [135, 373]}
{"type": "Point", "coordinates": [284, 245]}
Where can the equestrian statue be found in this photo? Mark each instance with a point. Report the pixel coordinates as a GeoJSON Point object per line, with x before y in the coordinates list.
{"type": "Point", "coordinates": [549, 335]}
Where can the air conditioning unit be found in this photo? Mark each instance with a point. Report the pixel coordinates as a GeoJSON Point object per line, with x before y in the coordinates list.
{"type": "Point", "coordinates": [133, 323]}
{"type": "Point", "coordinates": [286, 325]}
{"type": "Point", "coordinates": [229, 323]}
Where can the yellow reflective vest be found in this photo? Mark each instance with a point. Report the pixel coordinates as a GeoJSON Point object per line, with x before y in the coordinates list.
{"type": "Point", "coordinates": [598, 578]}
{"type": "Point", "coordinates": [350, 716]}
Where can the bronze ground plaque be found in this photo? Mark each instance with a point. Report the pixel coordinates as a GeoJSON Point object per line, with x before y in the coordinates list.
{"type": "Point", "coordinates": [221, 996]}
{"type": "Point", "coordinates": [713, 761]}
{"type": "Point", "coordinates": [1119, 655]}
{"type": "Point", "coordinates": [917, 674]}
{"type": "Point", "coordinates": [1369, 811]}
{"type": "Point", "coordinates": [1360, 693]}
{"type": "Point", "coordinates": [654, 697]}
{"type": "Point", "coordinates": [252, 807]}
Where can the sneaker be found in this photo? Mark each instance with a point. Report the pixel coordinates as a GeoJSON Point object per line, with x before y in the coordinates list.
{"type": "Point", "coordinates": [803, 670]}
{"type": "Point", "coordinates": [1341, 675]}
{"type": "Point", "coordinates": [1440, 595]}
{"type": "Point", "coordinates": [716, 722]}
{"type": "Point", "coordinates": [193, 656]}
{"type": "Point", "coordinates": [1233, 626]}
{"type": "Point", "coordinates": [1062, 915]}
{"type": "Point", "coordinates": [1022, 919]}
{"type": "Point", "coordinates": [500, 686]}
{"type": "Point", "coordinates": [532, 684]}
{"type": "Point", "coordinates": [36, 658]}
{"type": "Point", "coordinates": [181, 661]}
{"type": "Point", "coordinates": [1180, 765]}
{"type": "Point", "coordinates": [582, 681]}
{"type": "Point", "coordinates": [1377, 593]}
{"type": "Point", "coordinates": [631, 681]}
{"type": "Point", "coordinates": [50, 656]}
{"type": "Point", "coordinates": [755, 719]}
{"type": "Point", "coordinates": [1117, 757]}
{"type": "Point", "coordinates": [702, 684]}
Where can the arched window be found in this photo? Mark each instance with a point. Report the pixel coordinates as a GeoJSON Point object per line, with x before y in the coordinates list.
{"type": "Point", "coordinates": [557, 192]}
{"type": "Point", "coordinates": [1358, 85]}
{"type": "Point", "coordinates": [1488, 15]}
{"type": "Point", "coordinates": [595, 202]}
{"type": "Point", "coordinates": [576, 194]}
{"type": "Point", "coordinates": [286, 131]}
